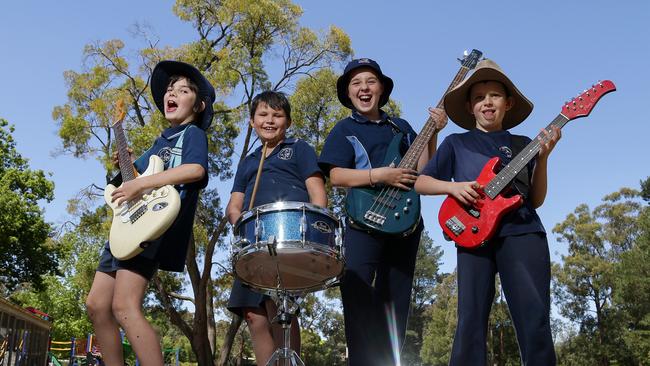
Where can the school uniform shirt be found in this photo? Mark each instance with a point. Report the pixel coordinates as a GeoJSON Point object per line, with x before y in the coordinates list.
{"type": "Point", "coordinates": [359, 143]}
{"type": "Point", "coordinates": [462, 156]}
{"type": "Point", "coordinates": [170, 250]}
{"type": "Point", "coordinates": [283, 179]}
{"type": "Point", "coordinates": [283, 173]}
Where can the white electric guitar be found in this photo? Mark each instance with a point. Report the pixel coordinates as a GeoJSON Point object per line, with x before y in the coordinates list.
{"type": "Point", "coordinates": [139, 221]}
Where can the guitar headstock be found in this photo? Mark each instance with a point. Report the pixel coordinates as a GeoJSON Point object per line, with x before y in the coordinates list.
{"type": "Point", "coordinates": [119, 113]}
{"type": "Point", "coordinates": [470, 60]}
{"type": "Point", "coordinates": [582, 105]}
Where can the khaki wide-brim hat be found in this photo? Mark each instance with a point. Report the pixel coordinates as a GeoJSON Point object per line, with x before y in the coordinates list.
{"type": "Point", "coordinates": [487, 70]}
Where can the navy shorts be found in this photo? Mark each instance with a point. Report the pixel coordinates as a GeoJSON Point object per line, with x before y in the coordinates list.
{"type": "Point", "coordinates": [242, 296]}
{"type": "Point", "coordinates": [143, 266]}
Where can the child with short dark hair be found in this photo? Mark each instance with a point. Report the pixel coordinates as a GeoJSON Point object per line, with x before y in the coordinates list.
{"type": "Point", "coordinates": [289, 173]}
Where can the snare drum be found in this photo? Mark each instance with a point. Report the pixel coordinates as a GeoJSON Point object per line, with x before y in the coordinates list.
{"type": "Point", "coordinates": [290, 246]}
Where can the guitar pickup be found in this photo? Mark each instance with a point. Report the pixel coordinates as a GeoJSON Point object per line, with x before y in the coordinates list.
{"type": "Point", "coordinates": [455, 225]}
{"type": "Point", "coordinates": [474, 212]}
{"type": "Point", "coordinates": [374, 217]}
{"type": "Point", "coordinates": [386, 202]}
{"type": "Point", "coordinates": [394, 194]}
{"type": "Point", "coordinates": [138, 213]}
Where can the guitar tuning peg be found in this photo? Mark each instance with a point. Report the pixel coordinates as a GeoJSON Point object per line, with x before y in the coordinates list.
{"type": "Point", "coordinates": [466, 53]}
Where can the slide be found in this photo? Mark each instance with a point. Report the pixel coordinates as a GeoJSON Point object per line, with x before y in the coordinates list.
{"type": "Point", "coordinates": [53, 359]}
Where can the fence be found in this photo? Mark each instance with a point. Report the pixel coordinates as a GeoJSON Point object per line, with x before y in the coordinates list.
{"type": "Point", "coordinates": [24, 336]}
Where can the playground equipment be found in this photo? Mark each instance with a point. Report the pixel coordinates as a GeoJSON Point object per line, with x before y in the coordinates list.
{"type": "Point", "coordinates": [24, 336]}
{"type": "Point", "coordinates": [76, 352]}
{"type": "Point", "coordinates": [87, 352]}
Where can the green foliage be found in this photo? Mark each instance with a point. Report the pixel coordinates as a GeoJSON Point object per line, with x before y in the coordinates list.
{"type": "Point", "coordinates": [595, 287]}
{"type": "Point", "coordinates": [439, 328]}
{"type": "Point", "coordinates": [632, 294]}
{"type": "Point", "coordinates": [502, 342]}
{"type": "Point", "coordinates": [426, 278]}
{"type": "Point", "coordinates": [645, 189]}
{"type": "Point", "coordinates": [63, 296]}
{"type": "Point", "coordinates": [322, 329]}
{"type": "Point", "coordinates": [26, 252]}
{"type": "Point", "coordinates": [315, 108]}
{"type": "Point", "coordinates": [235, 41]}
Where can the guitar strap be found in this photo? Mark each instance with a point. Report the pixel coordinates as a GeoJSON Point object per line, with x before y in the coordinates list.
{"type": "Point", "coordinates": [174, 161]}
{"type": "Point", "coordinates": [521, 182]}
{"type": "Point", "coordinates": [177, 151]}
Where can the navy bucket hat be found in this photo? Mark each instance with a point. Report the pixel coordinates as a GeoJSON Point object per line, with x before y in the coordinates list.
{"type": "Point", "coordinates": [344, 80]}
{"type": "Point", "coordinates": [160, 76]}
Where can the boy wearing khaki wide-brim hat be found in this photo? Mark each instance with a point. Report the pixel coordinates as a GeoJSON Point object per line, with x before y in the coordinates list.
{"type": "Point", "coordinates": [488, 104]}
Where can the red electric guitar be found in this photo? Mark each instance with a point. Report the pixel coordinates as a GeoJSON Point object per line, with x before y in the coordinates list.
{"type": "Point", "coordinates": [473, 226]}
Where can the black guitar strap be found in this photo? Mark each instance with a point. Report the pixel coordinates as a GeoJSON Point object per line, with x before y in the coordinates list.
{"type": "Point", "coordinates": [521, 182]}
{"type": "Point", "coordinates": [396, 127]}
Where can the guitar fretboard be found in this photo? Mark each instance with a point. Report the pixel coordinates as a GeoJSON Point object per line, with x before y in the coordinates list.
{"type": "Point", "coordinates": [510, 171]}
{"type": "Point", "coordinates": [410, 159]}
{"type": "Point", "coordinates": [126, 166]}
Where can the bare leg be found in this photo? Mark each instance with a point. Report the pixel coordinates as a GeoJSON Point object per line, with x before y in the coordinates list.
{"type": "Point", "coordinates": [98, 305]}
{"type": "Point", "coordinates": [261, 335]}
{"type": "Point", "coordinates": [127, 308]}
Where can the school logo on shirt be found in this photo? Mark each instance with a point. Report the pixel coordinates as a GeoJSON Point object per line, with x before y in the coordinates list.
{"type": "Point", "coordinates": [165, 154]}
{"type": "Point", "coordinates": [286, 153]}
{"type": "Point", "coordinates": [506, 151]}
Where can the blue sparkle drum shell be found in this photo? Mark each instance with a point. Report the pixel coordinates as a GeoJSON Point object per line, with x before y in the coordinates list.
{"type": "Point", "coordinates": [289, 246]}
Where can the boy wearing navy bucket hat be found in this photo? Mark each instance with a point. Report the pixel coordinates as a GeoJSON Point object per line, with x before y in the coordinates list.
{"type": "Point", "coordinates": [185, 98]}
{"type": "Point", "coordinates": [487, 104]}
{"type": "Point", "coordinates": [376, 286]}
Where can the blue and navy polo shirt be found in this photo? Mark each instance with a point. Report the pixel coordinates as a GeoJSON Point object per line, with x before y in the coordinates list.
{"type": "Point", "coordinates": [170, 250]}
{"type": "Point", "coordinates": [462, 156]}
{"type": "Point", "coordinates": [284, 173]}
{"type": "Point", "coordinates": [359, 143]}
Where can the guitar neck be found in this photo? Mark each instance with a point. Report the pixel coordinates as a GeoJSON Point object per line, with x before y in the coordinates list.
{"type": "Point", "coordinates": [410, 160]}
{"type": "Point", "coordinates": [126, 166]}
{"type": "Point", "coordinates": [510, 171]}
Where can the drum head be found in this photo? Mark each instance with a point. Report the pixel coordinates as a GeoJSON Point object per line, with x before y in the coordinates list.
{"type": "Point", "coordinates": [293, 267]}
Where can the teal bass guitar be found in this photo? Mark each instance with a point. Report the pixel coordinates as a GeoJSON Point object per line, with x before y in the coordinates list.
{"type": "Point", "coordinates": [387, 209]}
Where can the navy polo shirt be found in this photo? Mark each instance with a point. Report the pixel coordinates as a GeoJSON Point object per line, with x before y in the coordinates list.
{"type": "Point", "coordinates": [462, 156]}
{"type": "Point", "coordinates": [358, 143]}
{"type": "Point", "coordinates": [170, 249]}
{"type": "Point", "coordinates": [283, 174]}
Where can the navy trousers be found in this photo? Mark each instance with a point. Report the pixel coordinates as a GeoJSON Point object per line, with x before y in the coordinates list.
{"type": "Point", "coordinates": [376, 294]}
{"type": "Point", "coordinates": [523, 265]}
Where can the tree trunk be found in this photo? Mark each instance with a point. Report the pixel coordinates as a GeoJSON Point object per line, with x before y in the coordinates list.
{"type": "Point", "coordinates": [229, 340]}
{"type": "Point", "coordinates": [212, 331]}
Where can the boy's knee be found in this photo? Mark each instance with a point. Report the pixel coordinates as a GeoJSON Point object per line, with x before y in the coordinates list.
{"type": "Point", "coordinates": [255, 320]}
{"type": "Point", "coordinates": [95, 306]}
{"type": "Point", "coordinates": [122, 311]}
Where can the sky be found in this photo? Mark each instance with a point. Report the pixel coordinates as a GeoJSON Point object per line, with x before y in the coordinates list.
{"type": "Point", "coordinates": [552, 50]}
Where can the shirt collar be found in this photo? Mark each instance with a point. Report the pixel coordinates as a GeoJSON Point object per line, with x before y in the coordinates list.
{"type": "Point", "coordinates": [476, 131]}
{"type": "Point", "coordinates": [286, 141]}
{"type": "Point", "coordinates": [171, 133]}
{"type": "Point", "coordinates": [358, 117]}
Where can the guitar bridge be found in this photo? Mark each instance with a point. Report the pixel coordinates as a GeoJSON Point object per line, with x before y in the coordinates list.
{"type": "Point", "coordinates": [455, 225]}
{"type": "Point", "coordinates": [374, 217]}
